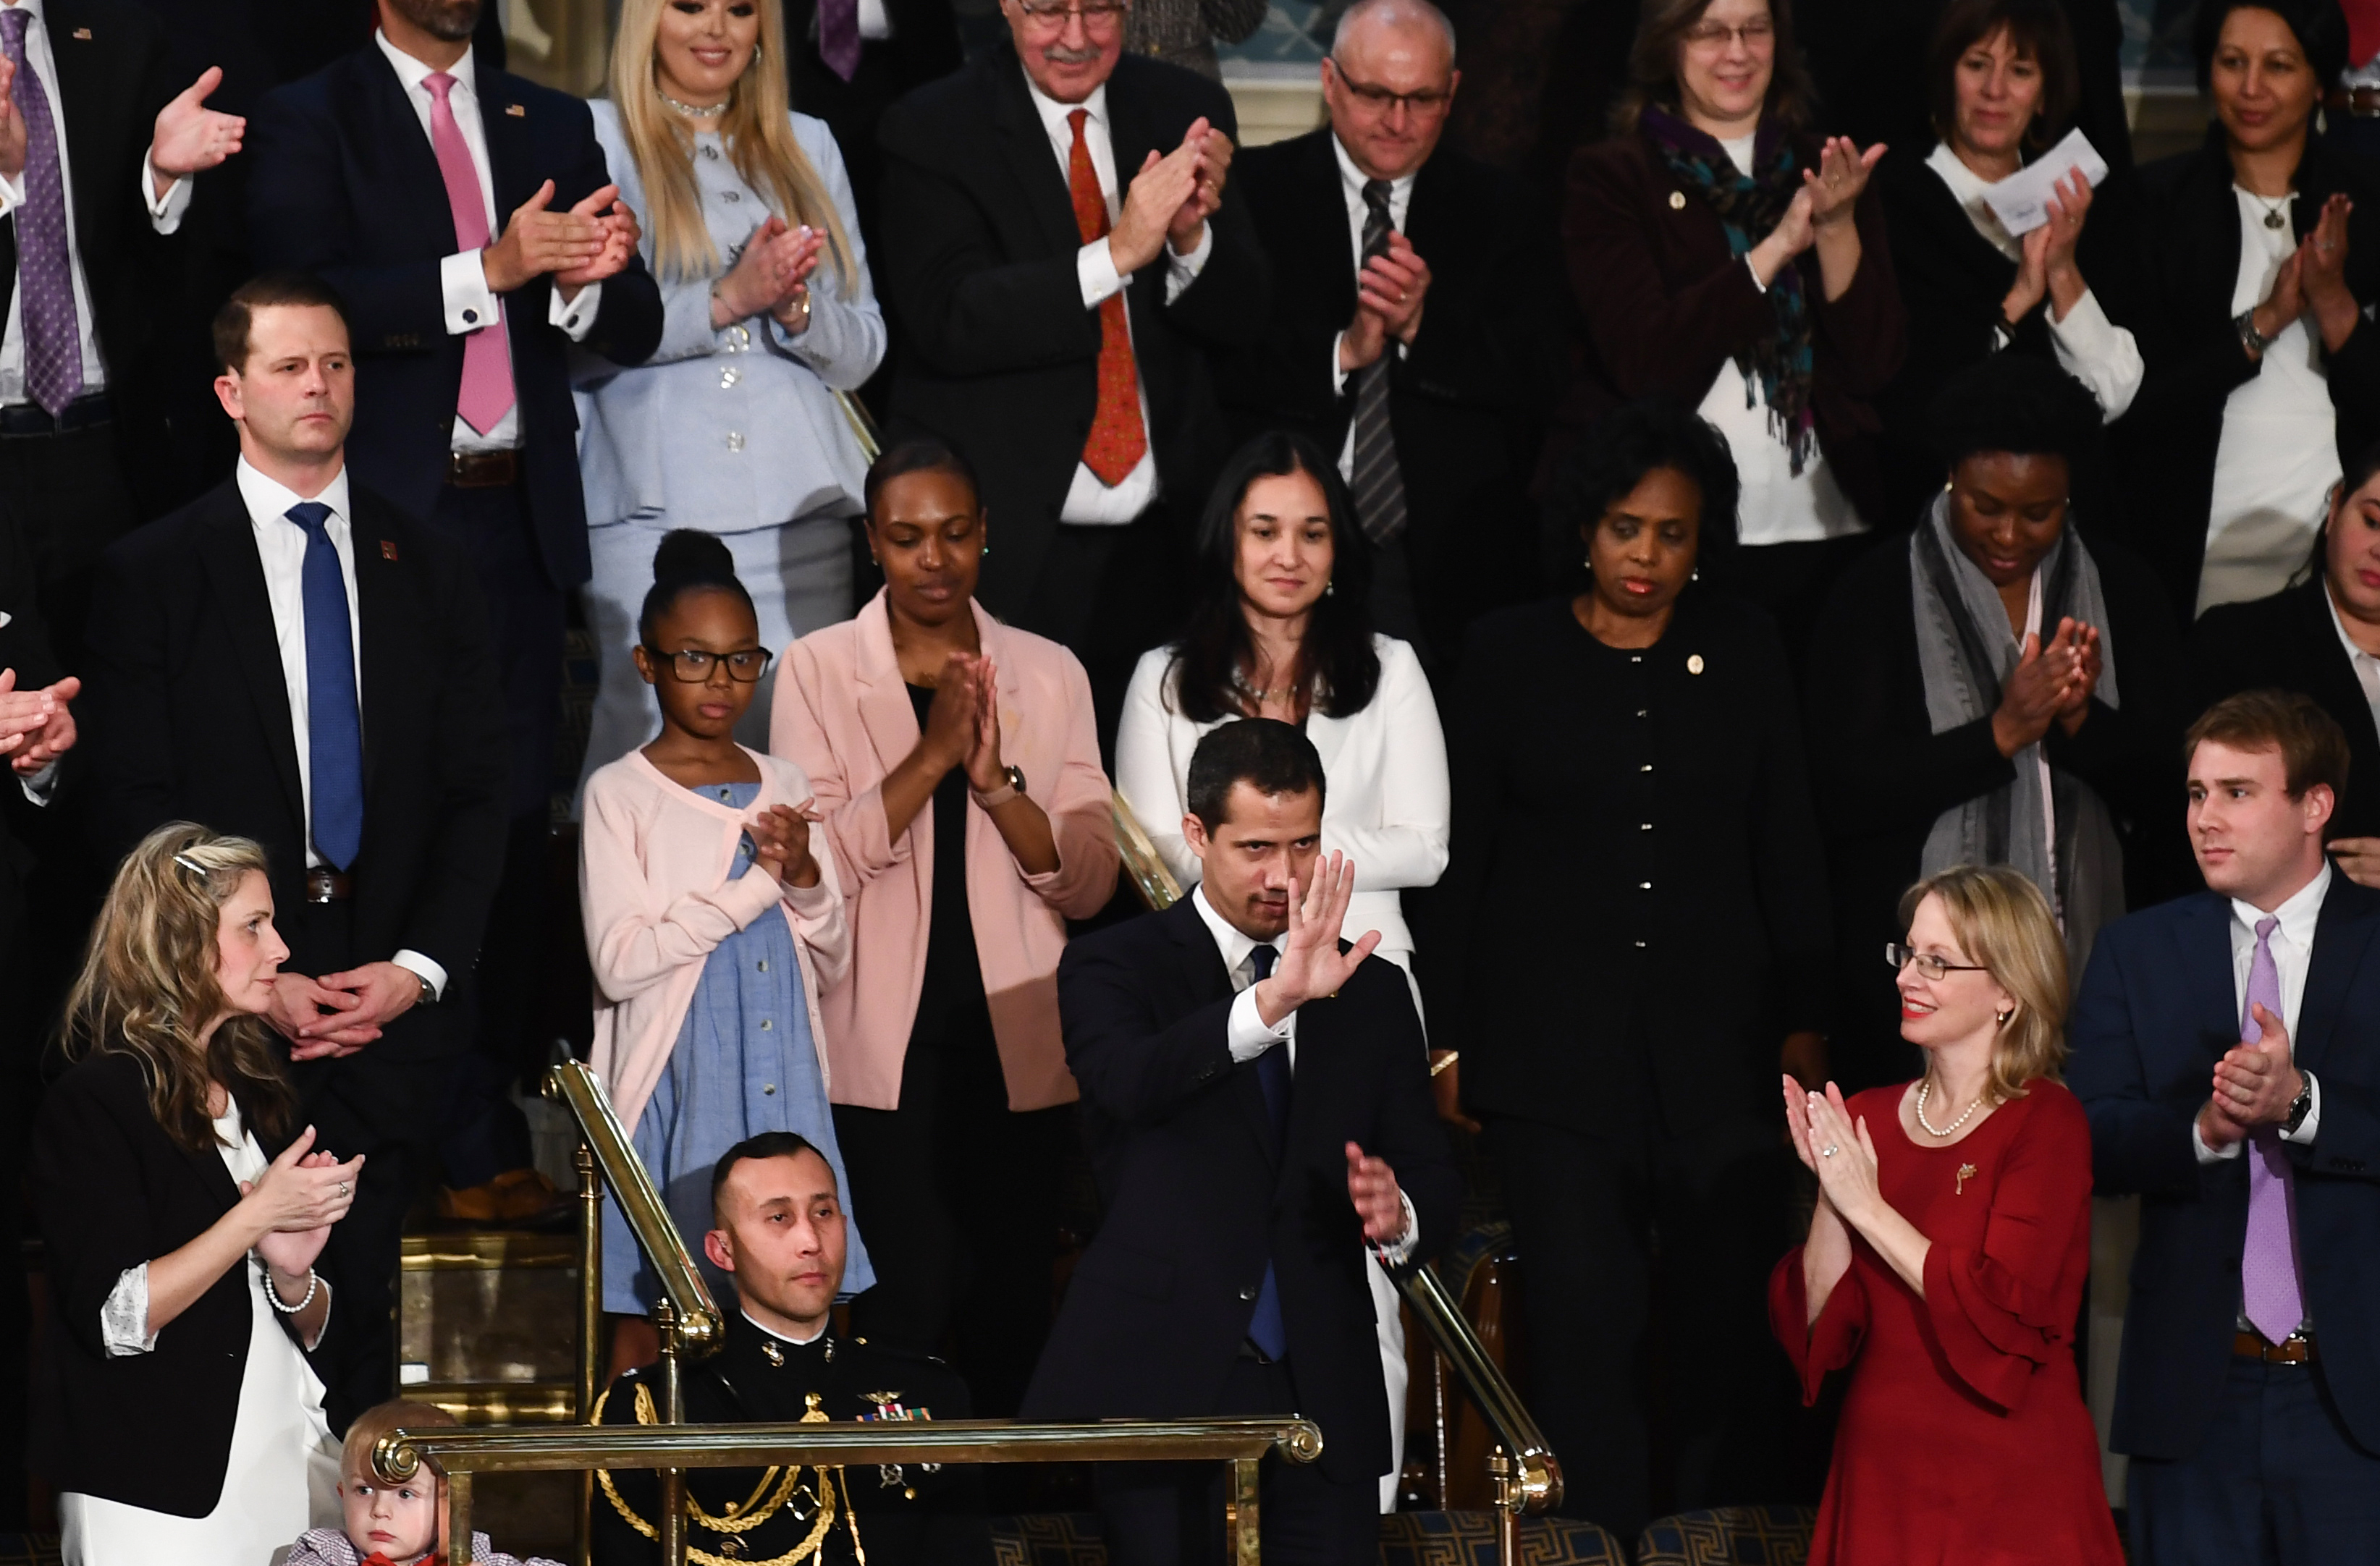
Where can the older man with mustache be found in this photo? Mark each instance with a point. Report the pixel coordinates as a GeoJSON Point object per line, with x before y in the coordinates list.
{"type": "Point", "coordinates": [1063, 256]}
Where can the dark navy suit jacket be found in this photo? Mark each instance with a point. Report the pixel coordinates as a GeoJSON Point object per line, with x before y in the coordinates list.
{"type": "Point", "coordinates": [343, 184]}
{"type": "Point", "coordinates": [2157, 1009]}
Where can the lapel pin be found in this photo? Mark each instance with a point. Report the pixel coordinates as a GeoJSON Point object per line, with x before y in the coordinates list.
{"type": "Point", "coordinates": [83, 33]}
{"type": "Point", "coordinates": [517, 111]}
{"type": "Point", "coordinates": [1966, 1172]}
{"type": "Point", "coordinates": [388, 548]}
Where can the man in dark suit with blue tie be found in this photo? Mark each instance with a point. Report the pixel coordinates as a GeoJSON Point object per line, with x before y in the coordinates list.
{"type": "Point", "coordinates": [468, 219]}
{"type": "Point", "coordinates": [2227, 1047]}
{"type": "Point", "coordinates": [1258, 1114]}
{"type": "Point", "coordinates": [293, 659]}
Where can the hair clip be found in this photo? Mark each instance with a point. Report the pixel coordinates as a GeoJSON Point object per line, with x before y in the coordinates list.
{"type": "Point", "coordinates": [189, 864]}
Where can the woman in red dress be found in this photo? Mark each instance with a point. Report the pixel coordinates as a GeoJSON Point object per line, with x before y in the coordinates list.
{"type": "Point", "coordinates": [1946, 1260]}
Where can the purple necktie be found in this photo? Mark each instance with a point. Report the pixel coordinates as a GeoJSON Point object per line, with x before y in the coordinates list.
{"type": "Point", "coordinates": [839, 36]}
{"type": "Point", "coordinates": [2268, 1267]}
{"type": "Point", "coordinates": [44, 275]}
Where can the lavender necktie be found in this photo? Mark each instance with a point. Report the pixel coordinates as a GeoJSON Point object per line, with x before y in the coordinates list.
{"type": "Point", "coordinates": [44, 275]}
{"type": "Point", "coordinates": [2269, 1293]}
{"type": "Point", "coordinates": [838, 22]}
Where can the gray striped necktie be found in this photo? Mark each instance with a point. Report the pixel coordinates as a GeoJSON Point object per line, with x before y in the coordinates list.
{"type": "Point", "coordinates": [1380, 488]}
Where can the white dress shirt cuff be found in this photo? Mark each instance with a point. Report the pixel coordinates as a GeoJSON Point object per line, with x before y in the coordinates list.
{"type": "Point", "coordinates": [1338, 375]}
{"type": "Point", "coordinates": [40, 786]}
{"type": "Point", "coordinates": [1246, 1034]}
{"type": "Point", "coordinates": [12, 193]}
{"type": "Point", "coordinates": [577, 317]}
{"type": "Point", "coordinates": [1754, 272]}
{"type": "Point", "coordinates": [165, 211]}
{"type": "Point", "coordinates": [1182, 271]}
{"type": "Point", "coordinates": [2211, 1155]}
{"type": "Point", "coordinates": [1094, 268]}
{"type": "Point", "coordinates": [124, 1316]}
{"type": "Point", "coordinates": [2304, 1134]}
{"type": "Point", "coordinates": [1399, 1251]}
{"type": "Point", "coordinates": [427, 969]}
{"type": "Point", "coordinates": [463, 284]}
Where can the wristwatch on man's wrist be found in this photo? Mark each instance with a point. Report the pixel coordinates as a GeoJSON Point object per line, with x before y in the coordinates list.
{"type": "Point", "coordinates": [2301, 1105]}
{"type": "Point", "coordinates": [429, 991]}
{"type": "Point", "coordinates": [1005, 791]}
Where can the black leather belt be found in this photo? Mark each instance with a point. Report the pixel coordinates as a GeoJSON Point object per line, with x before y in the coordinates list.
{"type": "Point", "coordinates": [482, 469]}
{"type": "Point", "coordinates": [326, 885]}
{"type": "Point", "coordinates": [83, 413]}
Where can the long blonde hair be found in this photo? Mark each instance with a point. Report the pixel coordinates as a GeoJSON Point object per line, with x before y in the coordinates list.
{"type": "Point", "coordinates": [147, 986]}
{"type": "Point", "coordinates": [757, 129]}
{"type": "Point", "coordinates": [2003, 922]}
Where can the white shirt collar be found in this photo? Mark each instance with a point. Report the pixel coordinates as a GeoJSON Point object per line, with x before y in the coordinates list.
{"type": "Point", "coordinates": [1233, 942]}
{"type": "Point", "coordinates": [797, 1343]}
{"type": "Point", "coordinates": [2355, 655]}
{"type": "Point", "coordinates": [1355, 178]}
{"type": "Point", "coordinates": [269, 500]}
{"type": "Point", "coordinates": [413, 72]}
{"type": "Point", "coordinates": [1967, 189]}
{"type": "Point", "coordinates": [30, 7]}
{"type": "Point", "coordinates": [2298, 916]}
{"type": "Point", "coordinates": [1054, 113]}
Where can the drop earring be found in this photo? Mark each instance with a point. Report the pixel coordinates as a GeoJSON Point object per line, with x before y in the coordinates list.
{"type": "Point", "coordinates": [1329, 590]}
{"type": "Point", "coordinates": [2003, 1016]}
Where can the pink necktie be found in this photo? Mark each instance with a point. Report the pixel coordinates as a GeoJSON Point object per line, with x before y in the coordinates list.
{"type": "Point", "coordinates": [487, 357]}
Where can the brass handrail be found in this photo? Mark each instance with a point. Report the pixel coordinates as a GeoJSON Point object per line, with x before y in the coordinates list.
{"type": "Point", "coordinates": [863, 426]}
{"type": "Point", "coordinates": [1528, 1476]}
{"type": "Point", "coordinates": [461, 1453]}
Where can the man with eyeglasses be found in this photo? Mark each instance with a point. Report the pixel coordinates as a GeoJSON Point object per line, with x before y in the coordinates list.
{"type": "Point", "coordinates": [1061, 257]}
{"type": "Point", "coordinates": [293, 659]}
{"type": "Point", "coordinates": [1417, 326]}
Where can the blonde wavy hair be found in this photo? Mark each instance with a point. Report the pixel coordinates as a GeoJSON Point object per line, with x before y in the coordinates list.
{"type": "Point", "coordinates": [2003, 922]}
{"type": "Point", "coordinates": [147, 986]}
{"type": "Point", "coordinates": [757, 130]}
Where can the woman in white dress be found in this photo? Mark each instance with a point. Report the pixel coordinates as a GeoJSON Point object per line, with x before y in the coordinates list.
{"type": "Point", "coordinates": [179, 1419]}
{"type": "Point", "coordinates": [1280, 630]}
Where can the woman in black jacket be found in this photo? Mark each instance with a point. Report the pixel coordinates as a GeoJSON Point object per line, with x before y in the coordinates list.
{"type": "Point", "coordinates": [1638, 907]}
{"type": "Point", "coordinates": [2002, 78]}
{"type": "Point", "coordinates": [1992, 690]}
{"type": "Point", "coordinates": [178, 1415]}
{"type": "Point", "coordinates": [2246, 276]}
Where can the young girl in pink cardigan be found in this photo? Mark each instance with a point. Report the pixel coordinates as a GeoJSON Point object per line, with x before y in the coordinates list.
{"type": "Point", "coordinates": [713, 920]}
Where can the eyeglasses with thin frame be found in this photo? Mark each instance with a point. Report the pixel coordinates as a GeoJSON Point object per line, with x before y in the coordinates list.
{"type": "Point", "coordinates": [1381, 100]}
{"type": "Point", "coordinates": [1717, 35]}
{"type": "Point", "coordinates": [1052, 14]}
{"type": "Point", "coordinates": [1897, 957]}
{"type": "Point", "coordinates": [692, 666]}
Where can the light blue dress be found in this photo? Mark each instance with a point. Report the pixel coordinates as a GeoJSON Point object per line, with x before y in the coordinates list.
{"type": "Point", "coordinates": [744, 1063]}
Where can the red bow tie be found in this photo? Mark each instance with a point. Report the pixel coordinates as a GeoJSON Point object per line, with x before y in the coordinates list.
{"type": "Point", "coordinates": [377, 1558]}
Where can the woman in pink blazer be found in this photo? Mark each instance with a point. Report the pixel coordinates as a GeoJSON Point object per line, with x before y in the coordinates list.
{"type": "Point", "coordinates": [957, 765]}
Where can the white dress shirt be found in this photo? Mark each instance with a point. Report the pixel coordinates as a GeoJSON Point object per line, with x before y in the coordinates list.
{"type": "Point", "coordinates": [2292, 951]}
{"type": "Point", "coordinates": [2089, 346]}
{"type": "Point", "coordinates": [164, 216]}
{"type": "Point", "coordinates": [1088, 500]}
{"type": "Point", "coordinates": [1775, 505]}
{"type": "Point", "coordinates": [1352, 181]}
{"type": "Point", "coordinates": [470, 304]}
{"type": "Point", "coordinates": [1247, 1035]}
{"type": "Point", "coordinates": [281, 550]}
{"type": "Point", "coordinates": [2366, 667]}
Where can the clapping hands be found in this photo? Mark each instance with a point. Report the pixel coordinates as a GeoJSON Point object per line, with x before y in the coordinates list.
{"type": "Point", "coordinates": [1834, 1146]}
{"type": "Point", "coordinates": [36, 726]}
{"type": "Point", "coordinates": [2254, 1085]}
{"type": "Point", "coordinates": [2051, 684]}
{"type": "Point", "coordinates": [770, 277]}
{"type": "Point", "coordinates": [780, 842]}
{"type": "Point", "coordinates": [1171, 198]}
{"type": "Point", "coordinates": [1389, 292]}
{"type": "Point", "coordinates": [190, 137]}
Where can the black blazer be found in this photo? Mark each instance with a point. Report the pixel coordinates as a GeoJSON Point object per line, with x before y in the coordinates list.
{"type": "Point", "coordinates": [185, 717]}
{"type": "Point", "coordinates": [1467, 403]}
{"type": "Point", "coordinates": [110, 1190]}
{"type": "Point", "coordinates": [2175, 225]}
{"type": "Point", "coordinates": [998, 355]}
{"type": "Point", "coordinates": [2155, 1011]}
{"type": "Point", "coordinates": [2289, 642]}
{"type": "Point", "coordinates": [1882, 776]}
{"type": "Point", "coordinates": [341, 182]}
{"type": "Point", "coordinates": [1196, 1206]}
{"type": "Point", "coordinates": [113, 75]}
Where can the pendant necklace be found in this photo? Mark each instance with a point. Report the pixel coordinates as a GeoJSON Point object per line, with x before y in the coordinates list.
{"type": "Point", "coordinates": [2274, 212]}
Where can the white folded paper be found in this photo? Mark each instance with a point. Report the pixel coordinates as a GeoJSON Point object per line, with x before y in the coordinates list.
{"type": "Point", "coordinates": [2020, 201]}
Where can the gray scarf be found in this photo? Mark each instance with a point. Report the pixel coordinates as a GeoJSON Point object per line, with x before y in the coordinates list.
{"type": "Point", "coordinates": [1965, 652]}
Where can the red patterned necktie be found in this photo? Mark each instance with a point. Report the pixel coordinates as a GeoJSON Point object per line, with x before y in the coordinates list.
{"type": "Point", "coordinates": [1118, 439]}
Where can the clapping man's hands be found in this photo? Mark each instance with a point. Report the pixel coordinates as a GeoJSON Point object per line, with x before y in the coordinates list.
{"type": "Point", "coordinates": [12, 124]}
{"type": "Point", "coordinates": [1372, 1186]}
{"type": "Point", "coordinates": [1311, 965]}
{"type": "Point", "coordinates": [1162, 193]}
{"type": "Point", "coordinates": [2254, 1086]}
{"type": "Point", "coordinates": [190, 137]}
{"type": "Point", "coordinates": [36, 726]}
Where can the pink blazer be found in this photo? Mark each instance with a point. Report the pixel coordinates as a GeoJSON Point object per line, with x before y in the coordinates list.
{"type": "Point", "coordinates": [652, 877]}
{"type": "Point", "coordinates": [843, 714]}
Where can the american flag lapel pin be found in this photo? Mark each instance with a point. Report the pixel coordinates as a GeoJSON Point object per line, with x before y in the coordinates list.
{"type": "Point", "coordinates": [83, 33]}
{"type": "Point", "coordinates": [388, 548]}
{"type": "Point", "coordinates": [517, 111]}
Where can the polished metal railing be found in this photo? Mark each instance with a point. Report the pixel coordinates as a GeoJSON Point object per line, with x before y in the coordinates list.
{"type": "Point", "coordinates": [863, 426]}
{"type": "Point", "coordinates": [1523, 1469]}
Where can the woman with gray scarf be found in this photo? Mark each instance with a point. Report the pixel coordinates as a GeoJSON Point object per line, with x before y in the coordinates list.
{"type": "Point", "coordinates": [2004, 691]}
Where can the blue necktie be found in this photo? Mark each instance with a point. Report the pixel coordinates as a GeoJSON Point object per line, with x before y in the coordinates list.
{"type": "Point", "coordinates": [335, 732]}
{"type": "Point", "coordinates": [1266, 1329]}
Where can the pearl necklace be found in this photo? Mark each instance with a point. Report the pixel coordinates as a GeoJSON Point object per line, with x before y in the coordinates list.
{"type": "Point", "coordinates": [1922, 1089]}
{"type": "Point", "coordinates": [692, 111]}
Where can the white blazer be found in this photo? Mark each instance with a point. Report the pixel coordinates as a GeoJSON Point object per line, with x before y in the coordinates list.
{"type": "Point", "coordinates": [1385, 806]}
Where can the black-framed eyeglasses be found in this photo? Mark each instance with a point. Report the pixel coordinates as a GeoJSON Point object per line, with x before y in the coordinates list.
{"type": "Point", "coordinates": [1897, 957]}
{"type": "Point", "coordinates": [1054, 13]}
{"type": "Point", "coordinates": [692, 666]}
{"type": "Point", "coordinates": [1381, 100]}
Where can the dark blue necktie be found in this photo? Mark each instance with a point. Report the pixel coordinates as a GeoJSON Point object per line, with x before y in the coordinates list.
{"type": "Point", "coordinates": [1266, 1329]}
{"type": "Point", "coordinates": [335, 732]}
